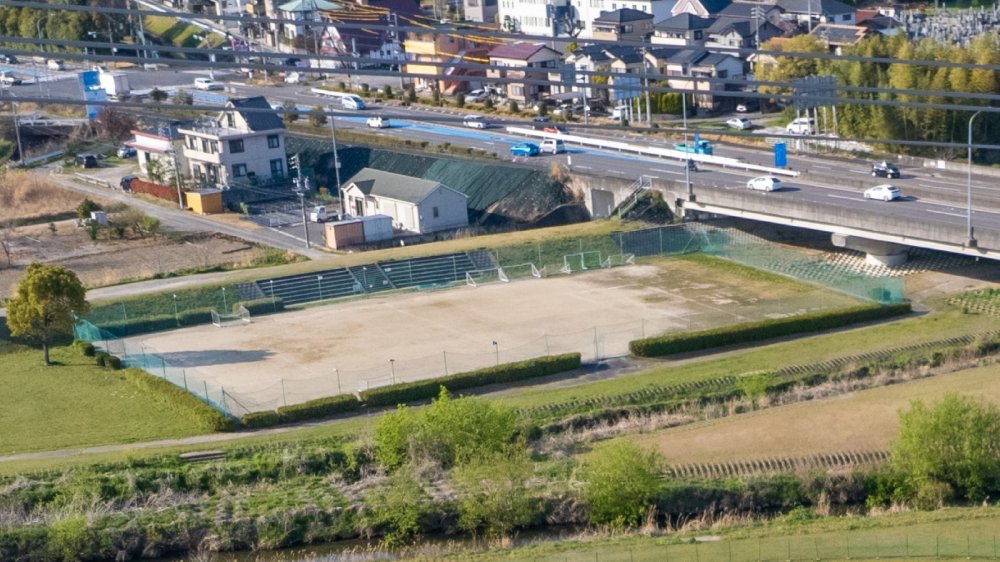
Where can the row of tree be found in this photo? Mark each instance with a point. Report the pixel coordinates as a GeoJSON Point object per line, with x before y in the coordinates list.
{"type": "Point", "coordinates": [892, 121]}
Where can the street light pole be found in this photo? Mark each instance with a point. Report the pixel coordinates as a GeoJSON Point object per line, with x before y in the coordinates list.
{"type": "Point", "coordinates": [177, 179]}
{"type": "Point", "coordinates": [17, 126]}
{"type": "Point", "coordinates": [336, 162]}
{"type": "Point", "coordinates": [968, 185]}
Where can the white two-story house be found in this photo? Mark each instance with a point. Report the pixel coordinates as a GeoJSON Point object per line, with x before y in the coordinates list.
{"type": "Point", "coordinates": [245, 144]}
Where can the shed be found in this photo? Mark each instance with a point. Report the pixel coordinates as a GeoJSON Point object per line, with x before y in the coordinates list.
{"type": "Point", "coordinates": [414, 204]}
{"type": "Point", "coordinates": [205, 201]}
{"type": "Point", "coordinates": [357, 231]}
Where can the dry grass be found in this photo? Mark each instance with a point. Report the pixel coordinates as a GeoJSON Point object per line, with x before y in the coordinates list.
{"type": "Point", "coordinates": [866, 420]}
{"type": "Point", "coordinates": [25, 195]}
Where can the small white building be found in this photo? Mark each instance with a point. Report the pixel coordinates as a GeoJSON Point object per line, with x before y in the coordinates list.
{"type": "Point", "coordinates": [415, 205]}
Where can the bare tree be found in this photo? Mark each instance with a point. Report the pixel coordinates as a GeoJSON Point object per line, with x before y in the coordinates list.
{"type": "Point", "coordinates": [7, 234]}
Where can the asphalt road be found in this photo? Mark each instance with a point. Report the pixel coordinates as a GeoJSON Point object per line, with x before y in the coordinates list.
{"type": "Point", "coordinates": [932, 194]}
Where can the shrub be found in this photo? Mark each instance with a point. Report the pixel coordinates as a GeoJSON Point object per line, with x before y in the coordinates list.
{"type": "Point", "coordinates": [114, 362]}
{"type": "Point", "coordinates": [514, 108]}
{"type": "Point", "coordinates": [762, 330]}
{"type": "Point", "coordinates": [84, 347]}
{"type": "Point", "coordinates": [101, 358]}
{"type": "Point", "coordinates": [387, 91]}
{"type": "Point", "coordinates": [460, 100]}
{"type": "Point", "coordinates": [86, 207]}
{"type": "Point", "coordinates": [265, 305]}
{"type": "Point", "coordinates": [620, 483]}
{"type": "Point", "coordinates": [317, 116]}
{"type": "Point", "coordinates": [178, 399]}
{"type": "Point", "coordinates": [506, 373]}
{"type": "Point", "coordinates": [319, 408]}
{"type": "Point", "coordinates": [256, 420]}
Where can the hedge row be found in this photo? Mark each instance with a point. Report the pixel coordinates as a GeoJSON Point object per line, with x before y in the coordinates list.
{"type": "Point", "coordinates": [414, 391]}
{"type": "Point", "coordinates": [191, 317]}
{"type": "Point", "coordinates": [508, 372]}
{"type": "Point", "coordinates": [763, 330]}
{"type": "Point", "coordinates": [180, 400]}
{"type": "Point", "coordinates": [262, 306]}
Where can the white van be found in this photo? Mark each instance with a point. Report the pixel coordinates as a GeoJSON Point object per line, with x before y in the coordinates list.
{"type": "Point", "coordinates": [554, 146]}
{"type": "Point", "coordinates": [475, 122]}
{"type": "Point", "coordinates": [207, 84]}
{"type": "Point", "coordinates": [619, 112]}
{"type": "Point", "coordinates": [352, 102]}
{"type": "Point", "coordinates": [802, 126]}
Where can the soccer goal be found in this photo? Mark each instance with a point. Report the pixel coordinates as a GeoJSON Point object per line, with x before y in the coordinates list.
{"type": "Point", "coordinates": [522, 270]}
{"type": "Point", "coordinates": [241, 316]}
{"type": "Point", "coordinates": [368, 384]}
{"type": "Point", "coordinates": [615, 260]}
{"type": "Point", "coordinates": [477, 277]}
{"type": "Point", "coordinates": [581, 261]}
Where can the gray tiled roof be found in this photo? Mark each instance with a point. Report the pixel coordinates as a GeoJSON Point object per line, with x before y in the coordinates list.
{"type": "Point", "coordinates": [623, 15]}
{"type": "Point", "coordinates": [688, 56]}
{"type": "Point", "coordinates": [744, 9]}
{"type": "Point", "coordinates": [824, 7]}
{"type": "Point", "coordinates": [683, 22]}
{"type": "Point", "coordinates": [519, 51]}
{"type": "Point", "coordinates": [393, 186]}
{"type": "Point", "coordinates": [264, 120]}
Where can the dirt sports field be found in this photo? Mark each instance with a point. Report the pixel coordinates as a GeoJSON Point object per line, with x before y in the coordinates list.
{"type": "Point", "coordinates": [296, 356]}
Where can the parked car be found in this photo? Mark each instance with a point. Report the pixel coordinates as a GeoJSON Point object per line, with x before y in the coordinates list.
{"type": "Point", "coordinates": [476, 96]}
{"type": "Point", "coordinates": [699, 147]}
{"type": "Point", "coordinates": [54, 64]}
{"type": "Point", "coordinates": [86, 160]}
{"type": "Point", "coordinates": [801, 126]}
{"type": "Point", "coordinates": [540, 119]}
{"type": "Point", "coordinates": [555, 129]}
{"type": "Point", "coordinates": [764, 183]}
{"type": "Point", "coordinates": [525, 149]}
{"type": "Point", "coordinates": [126, 151]}
{"type": "Point", "coordinates": [126, 183]}
{"type": "Point", "coordinates": [378, 123]}
{"type": "Point", "coordinates": [553, 146]}
{"type": "Point", "coordinates": [475, 122]}
{"type": "Point", "coordinates": [741, 123]}
{"type": "Point", "coordinates": [8, 59]}
{"type": "Point", "coordinates": [748, 106]}
{"type": "Point", "coordinates": [884, 169]}
{"type": "Point", "coordinates": [885, 192]}
{"type": "Point", "coordinates": [207, 84]}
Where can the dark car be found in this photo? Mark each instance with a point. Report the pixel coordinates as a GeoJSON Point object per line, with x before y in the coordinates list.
{"type": "Point", "coordinates": [125, 151]}
{"type": "Point", "coordinates": [86, 160]}
{"type": "Point", "coordinates": [8, 59]}
{"type": "Point", "coordinates": [885, 170]}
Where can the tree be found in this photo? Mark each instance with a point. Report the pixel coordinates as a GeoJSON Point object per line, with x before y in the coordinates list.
{"type": "Point", "coordinates": [183, 98]}
{"type": "Point", "coordinates": [157, 95]}
{"type": "Point", "coordinates": [395, 509]}
{"type": "Point", "coordinates": [317, 116]}
{"type": "Point", "coordinates": [86, 207]}
{"type": "Point", "coordinates": [291, 113]}
{"type": "Point", "coordinates": [513, 107]}
{"type": "Point", "coordinates": [949, 449]}
{"type": "Point", "coordinates": [7, 233]}
{"type": "Point", "coordinates": [494, 495]}
{"type": "Point", "coordinates": [621, 482]}
{"type": "Point", "coordinates": [115, 124]}
{"type": "Point", "coordinates": [460, 100]}
{"type": "Point", "coordinates": [449, 431]}
{"type": "Point", "coordinates": [47, 297]}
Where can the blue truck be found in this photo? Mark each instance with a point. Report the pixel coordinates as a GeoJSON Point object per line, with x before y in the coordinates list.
{"type": "Point", "coordinates": [698, 147]}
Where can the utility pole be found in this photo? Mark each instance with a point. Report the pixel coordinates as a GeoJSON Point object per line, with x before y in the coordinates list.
{"type": "Point", "coordinates": [17, 126]}
{"type": "Point", "coordinates": [177, 179]}
{"type": "Point", "coordinates": [336, 163]}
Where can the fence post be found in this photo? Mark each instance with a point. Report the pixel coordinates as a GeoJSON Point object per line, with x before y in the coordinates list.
{"type": "Point", "coordinates": [206, 389]}
{"type": "Point", "coordinates": [597, 353]}
{"type": "Point", "coordinates": [659, 232]}
{"type": "Point", "coordinates": [444, 354]}
{"type": "Point", "coordinates": [163, 365]}
{"type": "Point", "coordinates": [225, 405]}
{"type": "Point", "coordinates": [284, 400]}
{"type": "Point", "coordinates": [185, 373]}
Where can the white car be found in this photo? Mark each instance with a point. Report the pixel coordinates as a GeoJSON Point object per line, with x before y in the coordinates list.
{"type": "Point", "coordinates": [741, 123]}
{"type": "Point", "coordinates": [207, 84]}
{"type": "Point", "coordinates": [475, 121]}
{"type": "Point", "coordinates": [476, 96]}
{"type": "Point", "coordinates": [553, 146]}
{"type": "Point", "coordinates": [764, 183]}
{"type": "Point", "coordinates": [885, 192]}
{"type": "Point", "coordinates": [378, 123]}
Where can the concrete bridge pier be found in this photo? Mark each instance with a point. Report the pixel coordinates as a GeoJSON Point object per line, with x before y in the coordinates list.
{"type": "Point", "coordinates": [876, 252]}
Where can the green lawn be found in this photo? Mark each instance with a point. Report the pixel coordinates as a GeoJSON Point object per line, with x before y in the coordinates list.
{"type": "Point", "coordinates": [955, 533]}
{"type": "Point", "coordinates": [180, 33]}
{"type": "Point", "coordinates": [75, 404]}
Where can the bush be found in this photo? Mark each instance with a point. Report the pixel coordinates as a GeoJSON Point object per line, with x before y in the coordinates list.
{"type": "Point", "coordinates": [256, 420]}
{"type": "Point", "coordinates": [506, 373]}
{"type": "Point", "coordinates": [621, 481]}
{"type": "Point", "coordinates": [180, 400]}
{"type": "Point", "coordinates": [460, 100]}
{"type": "Point", "coordinates": [319, 408]}
{"type": "Point", "coordinates": [317, 116]}
{"type": "Point", "coordinates": [114, 362]}
{"type": "Point", "coordinates": [84, 347]}
{"type": "Point", "coordinates": [101, 358]}
{"type": "Point", "coordinates": [514, 108]}
{"type": "Point", "coordinates": [762, 330]}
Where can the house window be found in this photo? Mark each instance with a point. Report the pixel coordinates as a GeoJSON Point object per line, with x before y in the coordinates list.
{"type": "Point", "coordinates": [230, 121]}
{"type": "Point", "coordinates": [436, 213]}
{"type": "Point", "coordinates": [722, 74]}
{"type": "Point", "coordinates": [273, 141]}
{"type": "Point", "coordinates": [277, 168]}
{"type": "Point", "coordinates": [239, 170]}
{"type": "Point", "coordinates": [204, 145]}
{"type": "Point", "coordinates": [236, 146]}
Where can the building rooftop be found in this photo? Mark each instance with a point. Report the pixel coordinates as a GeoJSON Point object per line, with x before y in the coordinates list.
{"type": "Point", "coordinates": [683, 22]}
{"type": "Point", "coordinates": [258, 113]}
{"type": "Point", "coordinates": [518, 51]}
{"type": "Point", "coordinates": [623, 15]}
{"type": "Point", "coordinates": [824, 7]}
{"type": "Point", "coordinates": [309, 6]}
{"type": "Point", "coordinates": [393, 186]}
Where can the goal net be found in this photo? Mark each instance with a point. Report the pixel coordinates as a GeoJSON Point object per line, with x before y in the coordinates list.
{"type": "Point", "coordinates": [241, 316]}
{"type": "Point", "coordinates": [368, 384]}
{"type": "Point", "coordinates": [616, 260]}
{"type": "Point", "coordinates": [581, 261]}
{"type": "Point", "coordinates": [477, 277]}
{"type": "Point", "coordinates": [521, 271]}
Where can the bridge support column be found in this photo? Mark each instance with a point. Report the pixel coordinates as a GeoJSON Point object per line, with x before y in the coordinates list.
{"type": "Point", "coordinates": [876, 252]}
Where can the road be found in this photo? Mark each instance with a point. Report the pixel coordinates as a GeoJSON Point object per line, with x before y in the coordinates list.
{"type": "Point", "coordinates": [932, 194]}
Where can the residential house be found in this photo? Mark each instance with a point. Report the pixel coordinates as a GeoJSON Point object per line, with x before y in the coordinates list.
{"type": "Point", "coordinates": [158, 152]}
{"type": "Point", "coordinates": [584, 61]}
{"type": "Point", "coordinates": [415, 205]}
{"type": "Point", "coordinates": [727, 32]}
{"type": "Point", "coordinates": [882, 21]}
{"type": "Point", "coordinates": [570, 18]}
{"type": "Point", "coordinates": [522, 61]}
{"type": "Point", "coordinates": [245, 144]}
{"type": "Point", "coordinates": [380, 44]}
{"type": "Point", "coordinates": [482, 11]}
{"type": "Point", "coordinates": [837, 36]}
{"type": "Point", "coordinates": [439, 46]}
{"type": "Point", "coordinates": [682, 30]}
{"type": "Point", "coordinates": [627, 61]}
{"type": "Point", "coordinates": [622, 24]}
{"type": "Point", "coordinates": [817, 11]}
{"type": "Point", "coordinates": [703, 8]}
{"type": "Point", "coordinates": [689, 70]}
{"type": "Point", "coordinates": [308, 20]}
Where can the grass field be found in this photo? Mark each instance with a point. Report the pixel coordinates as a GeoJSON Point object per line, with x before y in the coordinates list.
{"type": "Point", "coordinates": [75, 404]}
{"type": "Point", "coordinates": [955, 533]}
{"type": "Point", "coordinates": [862, 421]}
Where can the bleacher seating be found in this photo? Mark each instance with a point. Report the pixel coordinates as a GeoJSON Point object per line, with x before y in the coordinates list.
{"type": "Point", "coordinates": [428, 271]}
